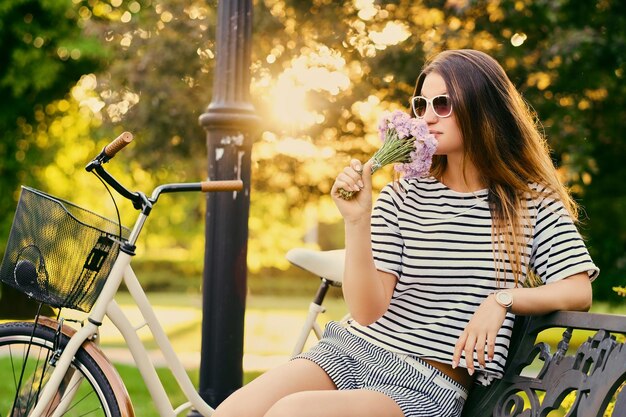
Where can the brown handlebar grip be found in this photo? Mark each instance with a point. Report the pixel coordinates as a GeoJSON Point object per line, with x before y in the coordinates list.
{"type": "Point", "coordinates": [227, 185]}
{"type": "Point", "coordinates": [118, 144]}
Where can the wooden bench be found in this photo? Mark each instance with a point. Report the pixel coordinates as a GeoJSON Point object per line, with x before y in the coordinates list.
{"type": "Point", "coordinates": [595, 371]}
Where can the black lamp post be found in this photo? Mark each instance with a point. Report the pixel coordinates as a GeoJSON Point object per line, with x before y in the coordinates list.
{"type": "Point", "coordinates": [229, 121]}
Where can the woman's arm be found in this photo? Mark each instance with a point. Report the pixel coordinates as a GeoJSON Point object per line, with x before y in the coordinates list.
{"type": "Point", "coordinates": [366, 290]}
{"type": "Point", "coordinates": [572, 293]}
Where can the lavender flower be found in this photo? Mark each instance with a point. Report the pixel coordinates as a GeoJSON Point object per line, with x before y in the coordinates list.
{"type": "Point", "coordinates": [407, 143]}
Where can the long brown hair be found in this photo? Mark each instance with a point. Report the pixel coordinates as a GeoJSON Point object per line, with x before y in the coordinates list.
{"type": "Point", "coordinates": [503, 139]}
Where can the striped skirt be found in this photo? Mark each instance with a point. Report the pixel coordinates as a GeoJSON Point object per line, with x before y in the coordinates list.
{"type": "Point", "coordinates": [418, 388]}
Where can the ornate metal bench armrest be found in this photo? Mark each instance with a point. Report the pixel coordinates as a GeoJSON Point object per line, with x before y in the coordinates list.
{"type": "Point", "coordinates": [596, 370]}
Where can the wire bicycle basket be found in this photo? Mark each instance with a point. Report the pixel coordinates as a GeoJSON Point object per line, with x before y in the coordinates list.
{"type": "Point", "coordinates": [59, 253]}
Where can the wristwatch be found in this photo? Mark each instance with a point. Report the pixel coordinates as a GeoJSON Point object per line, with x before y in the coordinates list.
{"type": "Point", "coordinates": [505, 299]}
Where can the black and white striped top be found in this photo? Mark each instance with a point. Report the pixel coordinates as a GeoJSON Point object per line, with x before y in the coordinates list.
{"type": "Point", "coordinates": [438, 242]}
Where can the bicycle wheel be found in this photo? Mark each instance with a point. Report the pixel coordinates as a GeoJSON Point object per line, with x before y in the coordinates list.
{"type": "Point", "coordinates": [27, 355]}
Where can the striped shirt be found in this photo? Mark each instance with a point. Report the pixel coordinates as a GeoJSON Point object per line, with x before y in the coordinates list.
{"type": "Point", "coordinates": [438, 243]}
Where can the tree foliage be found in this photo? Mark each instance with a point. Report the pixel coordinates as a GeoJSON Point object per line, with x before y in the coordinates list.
{"type": "Point", "coordinates": [43, 53]}
{"type": "Point", "coordinates": [323, 71]}
{"type": "Point", "coordinates": [157, 81]}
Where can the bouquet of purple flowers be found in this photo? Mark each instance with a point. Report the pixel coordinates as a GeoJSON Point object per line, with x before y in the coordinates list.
{"type": "Point", "coordinates": [407, 143]}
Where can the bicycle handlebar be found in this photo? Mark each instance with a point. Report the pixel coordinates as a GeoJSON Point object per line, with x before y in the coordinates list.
{"type": "Point", "coordinates": [204, 186]}
{"type": "Point", "coordinates": [118, 144]}
{"type": "Point", "coordinates": [140, 200]}
{"type": "Point", "coordinates": [224, 185]}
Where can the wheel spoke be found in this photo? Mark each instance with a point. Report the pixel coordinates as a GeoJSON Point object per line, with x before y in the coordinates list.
{"type": "Point", "coordinates": [82, 399]}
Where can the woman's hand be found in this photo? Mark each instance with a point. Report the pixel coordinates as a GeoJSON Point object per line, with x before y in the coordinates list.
{"type": "Point", "coordinates": [358, 178]}
{"type": "Point", "coordinates": [571, 293]}
{"type": "Point", "coordinates": [481, 331]}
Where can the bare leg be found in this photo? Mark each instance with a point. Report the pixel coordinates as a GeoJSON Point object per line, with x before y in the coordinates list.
{"type": "Point", "coordinates": [301, 388]}
{"type": "Point", "coordinates": [255, 398]}
{"type": "Point", "coordinates": [348, 403]}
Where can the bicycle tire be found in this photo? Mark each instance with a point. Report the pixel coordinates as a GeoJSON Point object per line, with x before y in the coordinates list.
{"type": "Point", "coordinates": [25, 353]}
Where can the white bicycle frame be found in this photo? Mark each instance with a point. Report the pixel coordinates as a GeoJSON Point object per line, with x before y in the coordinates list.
{"type": "Point", "coordinates": [328, 266]}
{"type": "Point", "coordinates": [310, 324]}
{"type": "Point", "coordinates": [106, 305]}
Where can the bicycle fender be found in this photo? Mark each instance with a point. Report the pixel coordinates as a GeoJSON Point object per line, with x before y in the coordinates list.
{"type": "Point", "coordinates": [119, 389]}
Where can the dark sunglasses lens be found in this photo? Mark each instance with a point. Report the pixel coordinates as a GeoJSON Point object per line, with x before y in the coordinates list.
{"type": "Point", "coordinates": [442, 106]}
{"type": "Point", "coordinates": [419, 104]}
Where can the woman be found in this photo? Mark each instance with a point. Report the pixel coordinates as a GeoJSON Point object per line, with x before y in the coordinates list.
{"type": "Point", "coordinates": [434, 274]}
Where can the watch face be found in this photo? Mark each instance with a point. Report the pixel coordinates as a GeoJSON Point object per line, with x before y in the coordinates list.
{"type": "Point", "coordinates": [504, 298]}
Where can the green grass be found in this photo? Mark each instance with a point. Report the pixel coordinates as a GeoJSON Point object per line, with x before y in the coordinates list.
{"type": "Point", "coordinates": [142, 402]}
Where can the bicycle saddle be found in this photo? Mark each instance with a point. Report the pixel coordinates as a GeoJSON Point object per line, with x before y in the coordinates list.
{"type": "Point", "coordinates": [325, 264]}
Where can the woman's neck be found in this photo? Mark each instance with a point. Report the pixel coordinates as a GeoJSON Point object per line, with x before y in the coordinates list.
{"type": "Point", "coordinates": [461, 178]}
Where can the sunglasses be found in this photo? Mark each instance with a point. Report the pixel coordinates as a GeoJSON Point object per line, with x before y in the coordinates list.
{"type": "Point", "coordinates": [441, 105]}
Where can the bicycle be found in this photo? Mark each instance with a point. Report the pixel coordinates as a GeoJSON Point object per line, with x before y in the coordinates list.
{"type": "Point", "coordinates": [64, 256]}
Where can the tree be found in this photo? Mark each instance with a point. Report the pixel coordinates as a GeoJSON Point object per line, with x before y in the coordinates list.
{"type": "Point", "coordinates": [324, 71]}
{"type": "Point", "coordinates": [44, 52]}
{"type": "Point", "coordinates": [574, 76]}
{"type": "Point", "coordinates": [157, 84]}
